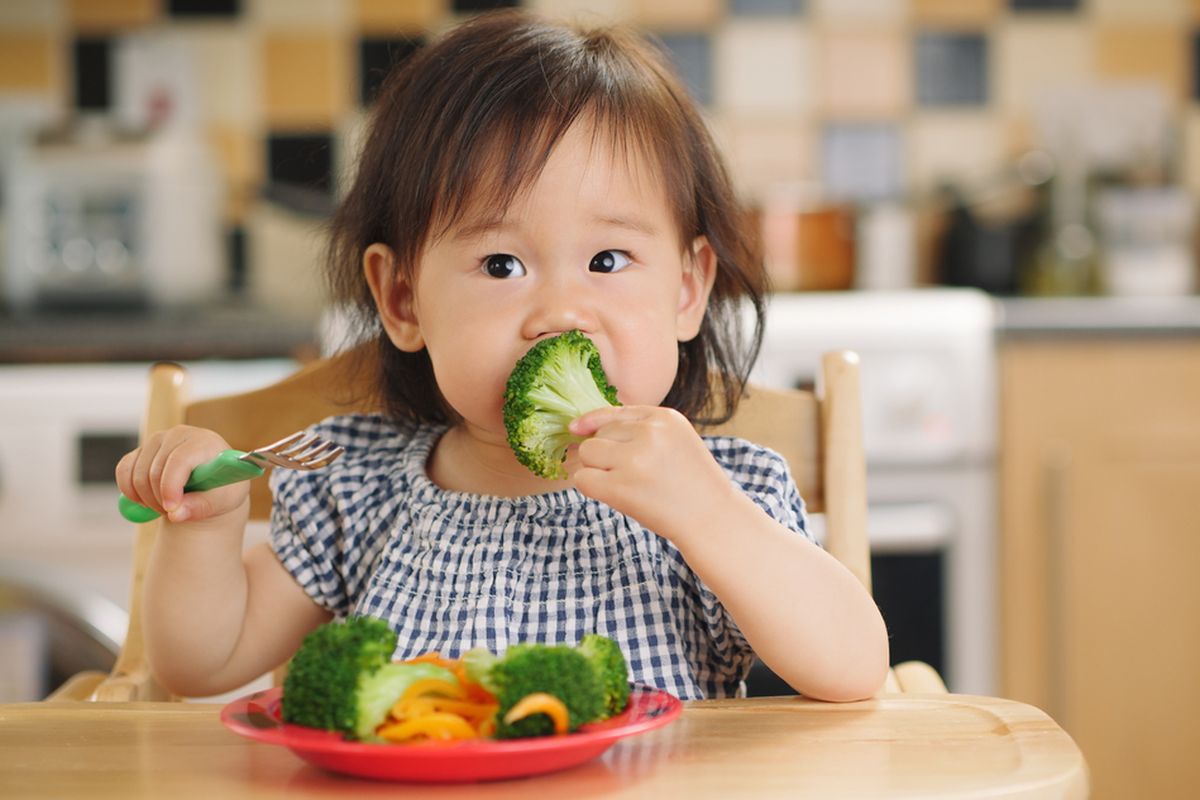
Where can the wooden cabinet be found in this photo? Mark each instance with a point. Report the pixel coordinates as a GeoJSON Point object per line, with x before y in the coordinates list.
{"type": "Point", "coordinates": [1100, 551]}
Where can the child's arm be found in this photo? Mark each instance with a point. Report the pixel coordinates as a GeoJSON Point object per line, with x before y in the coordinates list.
{"type": "Point", "coordinates": [804, 613]}
{"type": "Point", "coordinates": [213, 619]}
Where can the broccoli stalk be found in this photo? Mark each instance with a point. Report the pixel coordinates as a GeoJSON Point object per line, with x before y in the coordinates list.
{"type": "Point", "coordinates": [343, 679]}
{"type": "Point", "coordinates": [591, 680]}
{"type": "Point", "coordinates": [557, 381]}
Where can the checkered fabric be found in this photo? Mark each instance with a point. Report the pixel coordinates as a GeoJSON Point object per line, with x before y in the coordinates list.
{"type": "Point", "coordinates": [371, 534]}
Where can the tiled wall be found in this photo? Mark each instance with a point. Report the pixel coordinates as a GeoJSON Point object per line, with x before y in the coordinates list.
{"type": "Point", "coordinates": [868, 98]}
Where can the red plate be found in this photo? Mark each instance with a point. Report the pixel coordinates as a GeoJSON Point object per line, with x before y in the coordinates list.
{"type": "Point", "coordinates": [257, 716]}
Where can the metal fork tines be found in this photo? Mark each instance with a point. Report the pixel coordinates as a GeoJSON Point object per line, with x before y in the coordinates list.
{"type": "Point", "coordinates": [297, 451]}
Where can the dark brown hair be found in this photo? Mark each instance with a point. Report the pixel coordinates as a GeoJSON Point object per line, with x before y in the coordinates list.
{"type": "Point", "coordinates": [473, 118]}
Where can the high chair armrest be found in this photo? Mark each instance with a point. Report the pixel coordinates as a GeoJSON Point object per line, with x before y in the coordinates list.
{"type": "Point", "coordinates": [77, 687]}
{"type": "Point", "coordinates": [917, 677]}
{"type": "Point", "coordinates": [138, 686]}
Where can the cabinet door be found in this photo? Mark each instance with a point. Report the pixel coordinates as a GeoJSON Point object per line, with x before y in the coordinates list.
{"type": "Point", "coordinates": [1101, 553]}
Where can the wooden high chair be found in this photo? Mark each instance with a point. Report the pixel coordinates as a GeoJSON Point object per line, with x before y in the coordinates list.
{"type": "Point", "coordinates": [820, 435]}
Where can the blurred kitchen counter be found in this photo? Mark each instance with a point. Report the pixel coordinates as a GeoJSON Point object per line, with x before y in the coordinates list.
{"type": "Point", "coordinates": [228, 330]}
{"type": "Point", "coordinates": [1098, 316]}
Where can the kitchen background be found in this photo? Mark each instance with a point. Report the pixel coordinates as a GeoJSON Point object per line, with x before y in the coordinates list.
{"type": "Point", "coordinates": [166, 167]}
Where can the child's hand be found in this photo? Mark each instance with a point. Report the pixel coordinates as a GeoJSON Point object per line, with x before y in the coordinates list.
{"type": "Point", "coordinates": [155, 473]}
{"type": "Point", "coordinates": [649, 462]}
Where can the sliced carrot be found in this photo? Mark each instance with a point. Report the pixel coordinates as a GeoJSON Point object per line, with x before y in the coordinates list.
{"type": "Point", "coordinates": [438, 725]}
{"type": "Point", "coordinates": [541, 703]}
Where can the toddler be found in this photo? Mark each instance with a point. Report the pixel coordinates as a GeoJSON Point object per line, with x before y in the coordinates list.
{"type": "Point", "coordinates": [520, 179]}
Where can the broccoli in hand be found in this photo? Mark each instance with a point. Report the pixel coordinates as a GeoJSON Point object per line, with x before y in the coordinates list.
{"type": "Point", "coordinates": [557, 381]}
{"type": "Point", "coordinates": [343, 679]}
{"type": "Point", "coordinates": [584, 678]}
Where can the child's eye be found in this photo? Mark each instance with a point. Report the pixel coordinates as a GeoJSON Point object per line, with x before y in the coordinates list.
{"type": "Point", "coordinates": [502, 265]}
{"type": "Point", "coordinates": [609, 261]}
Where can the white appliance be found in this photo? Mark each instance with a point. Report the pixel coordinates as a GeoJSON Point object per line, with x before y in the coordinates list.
{"type": "Point", "coordinates": [65, 552]}
{"type": "Point", "coordinates": [94, 218]}
{"type": "Point", "coordinates": [928, 377]}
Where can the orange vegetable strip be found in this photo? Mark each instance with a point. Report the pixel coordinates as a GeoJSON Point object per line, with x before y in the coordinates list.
{"type": "Point", "coordinates": [541, 703]}
{"type": "Point", "coordinates": [434, 726]}
{"type": "Point", "coordinates": [487, 726]}
{"type": "Point", "coordinates": [462, 707]}
{"type": "Point", "coordinates": [414, 707]}
{"type": "Point", "coordinates": [426, 686]}
{"type": "Point", "coordinates": [432, 657]}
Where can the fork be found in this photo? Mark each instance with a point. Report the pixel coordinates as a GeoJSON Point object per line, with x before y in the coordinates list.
{"type": "Point", "coordinates": [297, 451]}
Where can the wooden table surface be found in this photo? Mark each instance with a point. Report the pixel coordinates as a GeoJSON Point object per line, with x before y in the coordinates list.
{"type": "Point", "coordinates": [894, 746]}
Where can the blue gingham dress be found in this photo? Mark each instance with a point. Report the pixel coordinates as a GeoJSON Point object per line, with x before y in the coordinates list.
{"type": "Point", "coordinates": [371, 534]}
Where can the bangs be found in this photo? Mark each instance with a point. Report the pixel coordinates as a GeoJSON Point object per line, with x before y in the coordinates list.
{"type": "Point", "coordinates": [483, 155]}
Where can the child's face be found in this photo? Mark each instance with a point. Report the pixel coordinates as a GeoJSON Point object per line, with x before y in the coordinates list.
{"type": "Point", "coordinates": [592, 245]}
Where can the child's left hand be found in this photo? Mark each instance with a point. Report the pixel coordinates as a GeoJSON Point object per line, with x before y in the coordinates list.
{"type": "Point", "coordinates": [650, 463]}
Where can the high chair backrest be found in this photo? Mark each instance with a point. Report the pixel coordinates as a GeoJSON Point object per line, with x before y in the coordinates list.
{"type": "Point", "coordinates": [819, 433]}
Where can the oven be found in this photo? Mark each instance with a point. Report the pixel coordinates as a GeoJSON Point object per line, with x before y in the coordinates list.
{"type": "Point", "coordinates": [928, 379]}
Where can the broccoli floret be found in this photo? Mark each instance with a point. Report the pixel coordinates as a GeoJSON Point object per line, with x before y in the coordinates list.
{"type": "Point", "coordinates": [591, 680]}
{"type": "Point", "coordinates": [342, 678]}
{"type": "Point", "coordinates": [557, 381]}
{"type": "Point", "coordinates": [558, 670]}
{"type": "Point", "coordinates": [609, 664]}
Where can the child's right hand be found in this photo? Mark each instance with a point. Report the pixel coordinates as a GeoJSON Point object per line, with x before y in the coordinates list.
{"type": "Point", "coordinates": [154, 475]}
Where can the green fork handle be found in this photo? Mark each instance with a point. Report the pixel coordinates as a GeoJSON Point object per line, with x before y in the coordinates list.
{"type": "Point", "coordinates": [225, 469]}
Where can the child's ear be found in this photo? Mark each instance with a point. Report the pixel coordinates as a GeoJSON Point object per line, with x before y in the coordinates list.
{"type": "Point", "coordinates": [699, 272]}
{"type": "Point", "coordinates": [393, 298]}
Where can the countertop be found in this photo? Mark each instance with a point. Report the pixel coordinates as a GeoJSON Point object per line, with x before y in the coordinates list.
{"type": "Point", "coordinates": [238, 329]}
{"type": "Point", "coordinates": [230, 330]}
{"type": "Point", "coordinates": [1098, 316]}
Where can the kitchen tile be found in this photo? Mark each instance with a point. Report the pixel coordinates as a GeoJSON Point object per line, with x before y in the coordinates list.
{"type": "Point", "coordinates": [1195, 66]}
{"type": "Point", "coordinates": [20, 15]}
{"type": "Point", "coordinates": [1044, 5]}
{"type": "Point", "coordinates": [204, 9]}
{"type": "Point", "coordinates": [1140, 11]}
{"type": "Point", "coordinates": [1144, 52]}
{"type": "Point", "coordinates": [274, 15]}
{"type": "Point", "coordinates": [306, 79]}
{"type": "Point", "coordinates": [973, 13]}
{"type": "Point", "coordinates": [875, 12]}
{"type": "Point", "coordinates": [28, 62]}
{"type": "Point", "coordinates": [754, 8]}
{"type": "Point", "coordinates": [301, 160]}
{"type": "Point", "coordinates": [951, 68]}
{"type": "Point", "coordinates": [107, 15]}
{"type": "Point", "coordinates": [862, 161]}
{"type": "Point", "coordinates": [92, 71]}
{"type": "Point", "coordinates": [377, 56]}
{"type": "Point", "coordinates": [474, 6]}
{"type": "Point", "coordinates": [229, 73]}
{"type": "Point", "coordinates": [955, 145]}
{"type": "Point", "coordinates": [692, 55]}
{"type": "Point", "coordinates": [240, 154]}
{"type": "Point", "coordinates": [764, 66]}
{"type": "Point", "coordinates": [1031, 56]}
{"type": "Point", "coordinates": [863, 73]}
{"type": "Point", "coordinates": [584, 12]}
{"type": "Point", "coordinates": [1190, 168]}
{"type": "Point", "coordinates": [678, 15]}
{"type": "Point", "coordinates": [764, 152]}
{"type": "Point", "coordinates": [411, 16]}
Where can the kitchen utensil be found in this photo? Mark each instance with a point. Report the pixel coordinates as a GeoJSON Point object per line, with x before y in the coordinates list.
{"type": "Point", "coordinates": [297, 451]}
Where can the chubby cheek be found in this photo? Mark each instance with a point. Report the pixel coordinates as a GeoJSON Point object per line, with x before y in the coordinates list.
{"type": "Point", "coordinates": [474, 391]}
{"type": "Point", "coordinates": [643, 376]}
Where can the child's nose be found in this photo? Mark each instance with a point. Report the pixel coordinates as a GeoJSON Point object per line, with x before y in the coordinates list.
{"type": "Point", "coordinates": [559, 305]}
